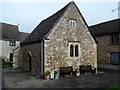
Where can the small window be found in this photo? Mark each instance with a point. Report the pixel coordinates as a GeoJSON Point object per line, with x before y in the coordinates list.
{"type": "Point", "coordinates": [76, 51]}
{"type": "Point", "coordinates": [71, 51]}
{"type": "Point", "coordinates": [114, 57]}
{"type": "Point", "coordinates": [72, 23]}
{"type": "Point", "coordinates": [12, 43]}
{"type": "Point", "coordinates": [114, 39]}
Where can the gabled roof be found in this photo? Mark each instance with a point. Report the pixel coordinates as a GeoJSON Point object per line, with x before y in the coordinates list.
{"type": "Point", "coordinates": [46, 25]}
{"type": "Point", "coordinates": [8, 31]}
{"type": "Point", "coordinates": [11, 32]}
{"type": "Point", "coordinates": [105, 28]}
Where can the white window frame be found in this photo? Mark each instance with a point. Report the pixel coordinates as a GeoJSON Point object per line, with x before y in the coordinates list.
{"type": "Point", "coordinates": [12, 43]}
{"type": "Point", "coordinates": [74, 44]}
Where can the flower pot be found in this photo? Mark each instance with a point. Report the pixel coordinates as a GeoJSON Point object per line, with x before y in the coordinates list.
{"type": "Point", "coordinates": [46, 77]}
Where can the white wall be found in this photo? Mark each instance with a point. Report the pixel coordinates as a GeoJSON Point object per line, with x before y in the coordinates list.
{"type": "Point", "coordinates": [7, 49]}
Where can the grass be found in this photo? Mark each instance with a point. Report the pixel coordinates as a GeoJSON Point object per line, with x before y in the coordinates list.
{"type": "Point", "coordinates": [115, 87]}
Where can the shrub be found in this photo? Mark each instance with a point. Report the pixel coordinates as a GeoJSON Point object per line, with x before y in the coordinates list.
{"type": "Point", "coordinates": [46, 73]}
{"type": "Point", "coordinates": [5, 64]}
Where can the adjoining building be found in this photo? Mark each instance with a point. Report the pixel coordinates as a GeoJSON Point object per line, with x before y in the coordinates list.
{"type": "Point", "coordinates": [107, 35]}
{"type": "Point", "coordinates": [10, 38]}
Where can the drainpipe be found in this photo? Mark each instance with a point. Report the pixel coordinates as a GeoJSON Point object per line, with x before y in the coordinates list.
{"type": "Point", "coordinates": [42, 56]}
{"type": "Point", "coordinates": [96, 59]}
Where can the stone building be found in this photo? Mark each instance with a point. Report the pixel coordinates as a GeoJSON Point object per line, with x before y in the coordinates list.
{"type": "Point", "coordinates": [16, 51]}
{"type": "Point", "coordinates": [10, 38]}
{"type": "Point", "coordinates": [61, 40]}
{"type": "Point", "coordinates": [107, 35]}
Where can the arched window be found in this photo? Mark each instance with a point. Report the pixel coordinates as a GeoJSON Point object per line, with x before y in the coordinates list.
{"type": "Point", "coordinates": [76, 50]}
{"type": "Point", "coordinates": [71, 50]}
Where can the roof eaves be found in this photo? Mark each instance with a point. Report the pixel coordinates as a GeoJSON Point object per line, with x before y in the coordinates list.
{"type": "Point", "coordinates": [30, 42]}
{"type": "Point", "coordinates": [105, 22]}
{"type": "Point", "coordinates": [45, 37]}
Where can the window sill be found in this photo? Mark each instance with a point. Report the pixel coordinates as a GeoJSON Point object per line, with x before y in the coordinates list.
{"type": "Point", "coordinates": [73, 57]}
{"type": "Point", "coordinates": [12, 45]}
{"type": "Point", "coordinates": [114, 63]}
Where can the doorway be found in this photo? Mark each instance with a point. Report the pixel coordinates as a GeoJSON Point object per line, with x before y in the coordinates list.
{"type": "Point", "coordinates": [11, 59]}
{"type": "Point", "coordinates": [30, 61]}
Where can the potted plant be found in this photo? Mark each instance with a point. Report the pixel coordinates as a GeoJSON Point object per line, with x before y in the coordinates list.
{"type": "Point", "coordinates": [46, 75]}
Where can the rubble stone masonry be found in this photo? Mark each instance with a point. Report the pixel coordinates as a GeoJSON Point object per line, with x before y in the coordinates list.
{"type": "Point", "coordinates": [57, 49]}
{"type": "Point", "coordinates": [104, 49]}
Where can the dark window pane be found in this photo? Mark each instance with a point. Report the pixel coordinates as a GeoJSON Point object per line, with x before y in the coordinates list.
{"type": "Point", "coordinates": [71, 50]}
{"type": "Point", "coordinates": [76, 51]}
{"type": "Point", "coordinates": [114, 39]}
{"type": "Point", "coordinates": [12, 43]}
{"type": "Point", "coordinates": [114, 57]}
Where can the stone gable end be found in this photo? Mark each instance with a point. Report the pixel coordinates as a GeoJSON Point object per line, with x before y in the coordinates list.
{"type": "Point", "coordinates": [57, 45]}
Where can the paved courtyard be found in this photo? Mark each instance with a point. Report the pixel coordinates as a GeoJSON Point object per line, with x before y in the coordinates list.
{"type": "Point", "coordinates": [14, 78]}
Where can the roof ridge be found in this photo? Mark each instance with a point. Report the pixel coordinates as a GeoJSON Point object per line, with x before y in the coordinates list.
{"type": "Point", "coordinates": [9, 24]}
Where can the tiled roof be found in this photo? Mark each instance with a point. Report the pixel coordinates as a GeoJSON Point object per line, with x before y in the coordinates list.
{"type": "Point", "coordinates": [11, 32]}
{"type": "Point", "coordinates": [105, 28]}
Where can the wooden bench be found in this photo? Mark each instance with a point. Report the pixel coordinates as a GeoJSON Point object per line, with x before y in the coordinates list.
{"type": "Point", "coordinates": [86, 69]}
{"type": "Point", "coordinates": [66, 71]}
{"type": "Point", "coordinates": [82, 69]}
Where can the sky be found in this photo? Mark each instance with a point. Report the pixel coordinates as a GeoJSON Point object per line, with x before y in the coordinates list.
{"type": "Point", "coordinates": [28, 14]}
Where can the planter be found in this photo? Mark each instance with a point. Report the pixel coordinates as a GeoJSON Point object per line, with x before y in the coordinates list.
{"type": "Point", "coordinates": [46, 77]}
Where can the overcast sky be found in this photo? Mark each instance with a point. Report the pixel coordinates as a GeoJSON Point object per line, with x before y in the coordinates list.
{"type": "Point", "coordinates": [29, 14]}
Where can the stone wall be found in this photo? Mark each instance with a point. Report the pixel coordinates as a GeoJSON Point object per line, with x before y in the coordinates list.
{"type": "Point", "coordinates": [57, 47]}
{"type": "Point", "coordinates": [34, 49]}
{"type": "Point", "coordinates": [17, 58]}
{"type": "Point", "coordinates": [104, 49]}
